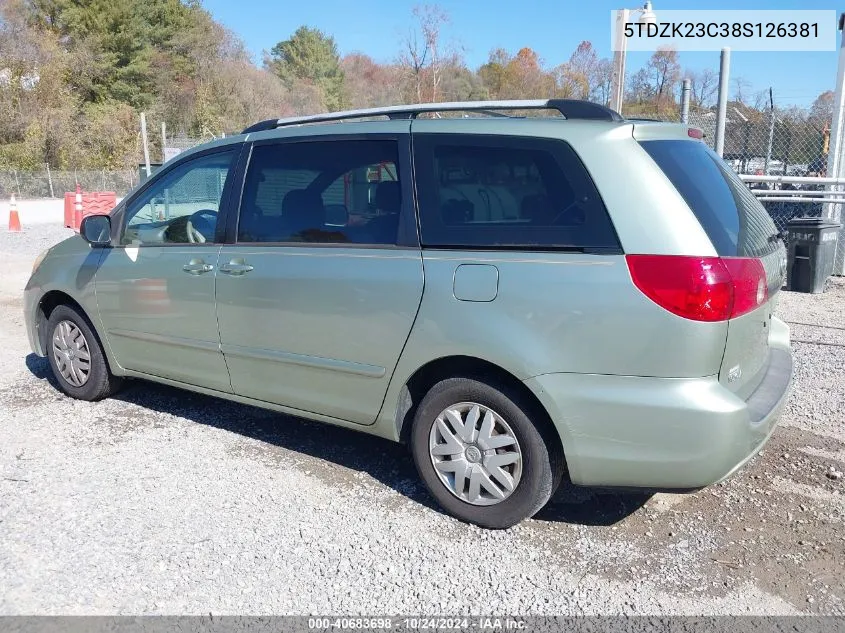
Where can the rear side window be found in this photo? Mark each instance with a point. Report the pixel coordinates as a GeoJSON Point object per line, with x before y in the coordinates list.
{"type": "Point", "coordinates": [736, 223]}
{"type": "Point", "coordinates": [507, 192]}
{"type": "Point", "coordinates": [330, 192]}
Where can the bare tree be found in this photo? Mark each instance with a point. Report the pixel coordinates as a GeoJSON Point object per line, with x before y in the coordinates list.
{"type": "Point", "coordinates": [414, 57]}
{"type": "Point", "coordinates": [742, 90]}
{"type": "Point", "coordinates": [424, 55]}
{"type": "Point", "coordinates": [640, 89]}
{"type": "Point", "coordinates": [760, 100]}
{"type": "Point", "coordinates": [580, 70]}
{"type": "Point", "coordinates": [664, 71]}
{"type": "Point", "coordinates": [821, 112]}
{"type": "Point", "coordinates": [703, 87]}
{"type": "Point", "coordinates": [584, 76]}
{"type": "Point", "coordinates": [432, 18]}
{"type": "Point", "coordinates": [655, 82]}
{"type": "Point", "coordinates": [602, 80]}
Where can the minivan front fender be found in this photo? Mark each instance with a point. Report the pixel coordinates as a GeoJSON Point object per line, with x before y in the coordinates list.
{"type": "Point", "coordinates": [65, 275]}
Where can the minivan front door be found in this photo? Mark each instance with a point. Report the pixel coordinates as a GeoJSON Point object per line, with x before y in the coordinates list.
{"type": "Point", "coordinates": [317, 296]}
{"type": "Point", "coordinates": [155, 290]}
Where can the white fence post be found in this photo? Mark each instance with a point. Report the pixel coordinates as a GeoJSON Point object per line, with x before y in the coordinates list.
{"type": "Point", "coordinates": [722, 115]}
{"type": "Point", "coordinates": [50, 179]}
{"type": "Point", "coordinates": [772, 120]}
{"type": "Point", "coordinates": [144, 142]}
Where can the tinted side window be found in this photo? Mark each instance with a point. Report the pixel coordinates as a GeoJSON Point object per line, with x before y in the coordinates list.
{"type": "Point", "coordinates": [501, 192]}
{"type": "Point", "coordinates": [734, 220]}
{"type": "Point", "coordinates": [181, 206]}
{"type": "Point", "coordinates": [336, 192]}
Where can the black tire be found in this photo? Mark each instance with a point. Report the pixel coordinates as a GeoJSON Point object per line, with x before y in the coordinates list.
{"type": "Point", "coordinates": [542, 464]}
{"type": "Point", "coordinates": [100, 382]}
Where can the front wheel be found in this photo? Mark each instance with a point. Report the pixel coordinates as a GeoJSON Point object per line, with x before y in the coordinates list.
{"type": "Point", "coordinates": [480, 455]}
{"type": "Point", "coordinates": [76, 356]}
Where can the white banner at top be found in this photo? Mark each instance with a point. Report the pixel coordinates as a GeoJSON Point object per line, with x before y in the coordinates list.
{"type": "Point", "coordinates": [713, 30]}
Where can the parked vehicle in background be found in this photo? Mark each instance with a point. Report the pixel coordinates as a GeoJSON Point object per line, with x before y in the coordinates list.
{"type": "Point", "coordinates": [797, 170]}
{"type": "Point", "coordinates": [523, 301]}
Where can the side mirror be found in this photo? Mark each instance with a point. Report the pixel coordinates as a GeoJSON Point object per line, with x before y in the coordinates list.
{"type": "Point", "coordinates": [96, 230]}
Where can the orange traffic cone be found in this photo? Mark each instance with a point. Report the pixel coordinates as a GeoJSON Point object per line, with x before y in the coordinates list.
{"type": "Point", "coordinates": [14, 218]}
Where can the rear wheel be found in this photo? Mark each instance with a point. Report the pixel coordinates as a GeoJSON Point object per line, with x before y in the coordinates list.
{"type": "Point", "coordinates": [480, 455]}
{"type": "Point", "coordinates": [76, 356]}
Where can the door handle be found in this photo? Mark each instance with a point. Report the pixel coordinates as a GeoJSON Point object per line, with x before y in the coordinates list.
{"type": "Point", "coordinates": [197, 267]}
{"type": "Point", "coordinates": [236, 266]}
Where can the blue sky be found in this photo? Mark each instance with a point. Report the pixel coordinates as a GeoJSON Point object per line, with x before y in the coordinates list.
{"type": "Point", "coordinates": [553, 28]}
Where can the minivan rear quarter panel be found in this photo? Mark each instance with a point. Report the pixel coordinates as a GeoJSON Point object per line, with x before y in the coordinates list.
{"type": "Point", "coordinates": [557, 312]}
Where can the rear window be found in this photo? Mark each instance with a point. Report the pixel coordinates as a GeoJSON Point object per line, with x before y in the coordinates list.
{"type": "Point", "coordinates": [493, 192]}
{"type": "Point", "coordinates": [734, 220]}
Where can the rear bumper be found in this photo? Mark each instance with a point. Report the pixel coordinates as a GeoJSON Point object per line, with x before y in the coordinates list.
{"type": "Point", "coordinates": [667, 433]}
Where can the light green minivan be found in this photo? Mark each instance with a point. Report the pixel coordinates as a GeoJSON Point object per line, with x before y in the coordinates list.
{"type": "Point", "coordinates": [522, 300]}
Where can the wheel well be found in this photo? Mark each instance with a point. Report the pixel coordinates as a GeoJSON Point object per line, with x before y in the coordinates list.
{"type": "Point", "coordinates": [49, 302]}
{"type": "Point", "coordinates": [469, 367]}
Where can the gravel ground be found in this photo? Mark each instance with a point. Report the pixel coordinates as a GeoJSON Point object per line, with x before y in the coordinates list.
{"type": "Point", "coordinates": [162, 501]}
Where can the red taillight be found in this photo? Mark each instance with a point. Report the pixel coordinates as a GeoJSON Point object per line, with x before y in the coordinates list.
{"type": "Point", "coordinates": [750, 287]}
{"type": "Point", "coordinates": [694, 132]}
{"type": "Point", "coordinates": [700, 288]}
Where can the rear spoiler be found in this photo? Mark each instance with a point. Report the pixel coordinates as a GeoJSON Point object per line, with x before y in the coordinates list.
{"type": "Point", "coordinates": [649, 130]}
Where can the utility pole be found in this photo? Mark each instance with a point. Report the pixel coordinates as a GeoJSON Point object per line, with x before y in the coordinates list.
{"type": "Point", "coordinates": [163, 142]}
{"type": "Point", "coordinates": [722, 113]}
{"type": "Point", "coordinates": [620, 50]}
{"type": "Point", "coordinates": [685, 93]}
{"type": "Point", "coordinates": [833, 211]}
{"type": "Point", "coordinates": [837, 128]}
{"type": "Point", "coordinates": [617, 89]}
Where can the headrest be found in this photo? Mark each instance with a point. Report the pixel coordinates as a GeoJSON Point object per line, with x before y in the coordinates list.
{"type": "Point", "coordinates": [389, 196]}
{"type": "Point", "coordinates": [303, 209]}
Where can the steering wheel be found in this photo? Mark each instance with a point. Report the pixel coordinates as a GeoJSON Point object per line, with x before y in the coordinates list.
{"type": "Point", "coordinates": [200, 226]}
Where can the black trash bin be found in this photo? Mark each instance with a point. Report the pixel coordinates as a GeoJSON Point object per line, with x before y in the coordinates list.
{"type": "Point", "coordinates": [812, 249]}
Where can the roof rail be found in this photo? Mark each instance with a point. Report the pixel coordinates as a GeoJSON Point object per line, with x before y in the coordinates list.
{"type": "Point", "coordinates": [569, 108]}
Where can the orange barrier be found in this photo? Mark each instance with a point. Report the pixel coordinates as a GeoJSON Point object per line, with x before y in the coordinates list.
{"type": "Point", "coordinates": [14, 218]}
{"type": "Point", "coordinates": [79, 205]}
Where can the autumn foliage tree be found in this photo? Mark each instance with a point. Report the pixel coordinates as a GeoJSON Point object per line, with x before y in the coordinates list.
{"type": "Point", "coordinates": [368, 84]}
{"type": "Point", "coordinates": [520, 76]}
{"type": "Point", "coordinates": [75, 75]}
{"type": "Point", "coordinates": [585, 75]}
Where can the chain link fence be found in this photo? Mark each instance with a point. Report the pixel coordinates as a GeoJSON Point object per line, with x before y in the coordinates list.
{"type": "Point", "coordinates": [50, 183]}
{"type": "Point", "coordinates": [777, 143]}
{"type": "Point", "coordinates": [182, 142]}
{"type": "Point", "coordinates": [53, 184]}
